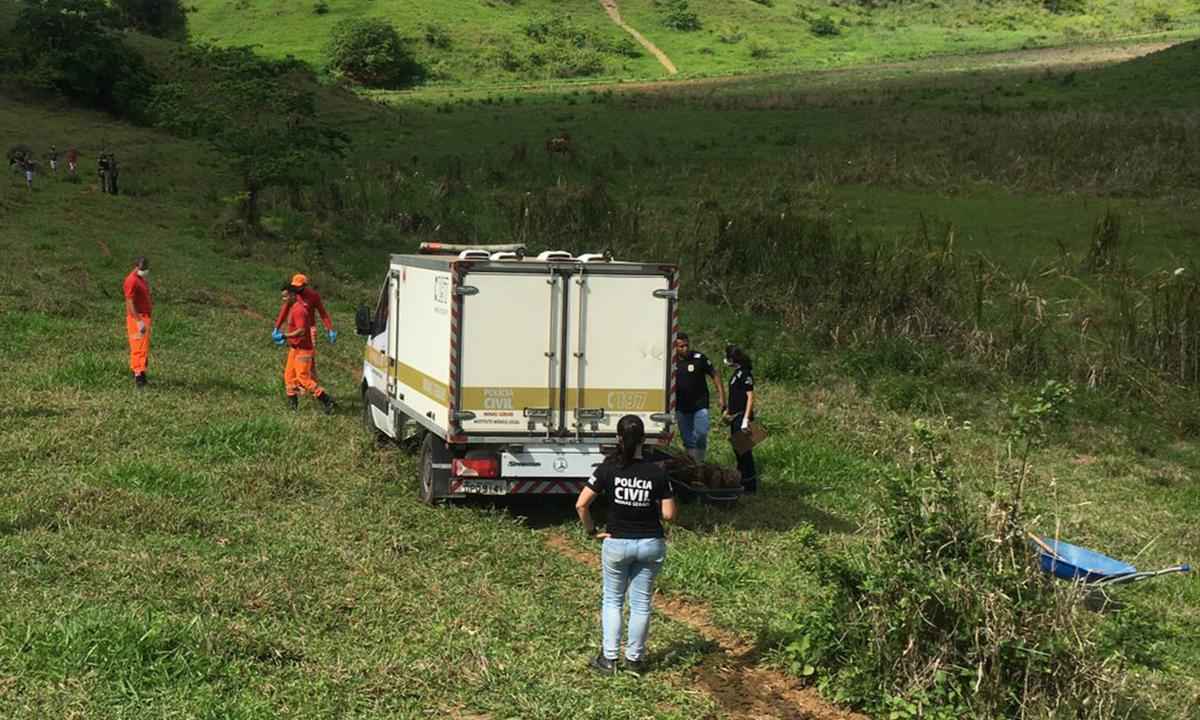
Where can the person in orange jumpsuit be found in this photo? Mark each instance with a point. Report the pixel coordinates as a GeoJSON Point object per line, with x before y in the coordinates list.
{"type": "Point", "coordinates": [299, 373]}
{"type": "Point", "coordinates": [138, 307]}
{"type": "Point", "coordinates": [313, 299]}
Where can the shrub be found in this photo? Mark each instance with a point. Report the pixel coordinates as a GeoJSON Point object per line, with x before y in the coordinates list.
{"type": "Point", "coordinates": [761, 49]}
{"type": "Point", "coordinates": [679, 16]}
{"type": "Point", "coordinates": [943, 612]}
{"type": "Point", "coordinates": [823, 26]}
{"type": "Point", "coordinates": [731, 35]}
{"type": "Point", "coordinates": [160, 18]}
{"type": "Point", "coordinates": [436, 35]}
{"type": "Point", "coordinates": [320, 7]}
{"type": "Point", "coordinates": [69, 46]}
{"type": "Point", "coordinates": [369, 51]}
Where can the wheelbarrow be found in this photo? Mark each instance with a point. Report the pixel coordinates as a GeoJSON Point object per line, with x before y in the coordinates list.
{"type": "Point", "coordinates": [690, 480]}
{"type": "Point", "coordinates": [1071, 562]}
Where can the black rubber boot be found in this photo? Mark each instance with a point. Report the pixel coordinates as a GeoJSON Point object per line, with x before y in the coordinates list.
{"type": "Point", "coordinates": [327, 400]}
{"type": "Point", "coordinates": [293, 402]}
{"type": "Point", "coordinates": [139, 381]}
{"type": "Point", "coordinates": [603, 665]}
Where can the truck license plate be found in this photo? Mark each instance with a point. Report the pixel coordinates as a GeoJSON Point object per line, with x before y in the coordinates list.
{"type": "Point", "coordinates": [485, 487]}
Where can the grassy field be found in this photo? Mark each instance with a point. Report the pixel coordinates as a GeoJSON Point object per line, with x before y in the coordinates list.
{"type": "Point", "coordinates": [734, 37]}
{"type": "Point", "coordinates": [196, 551]}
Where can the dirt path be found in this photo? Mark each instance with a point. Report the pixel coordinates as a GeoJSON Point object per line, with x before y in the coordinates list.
{"type": "Point", "coordinates": [610, 7]}
{"type": "Point", "coordinates": [729, 673]}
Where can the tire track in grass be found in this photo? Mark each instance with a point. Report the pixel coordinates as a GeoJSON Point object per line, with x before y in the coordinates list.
{"type": "Point", "coordinates": [614, 14]}
{"type": "Point", "coordinates": [730, 673]}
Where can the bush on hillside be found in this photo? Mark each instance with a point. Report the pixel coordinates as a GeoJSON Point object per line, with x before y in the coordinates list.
{"type": "Point", "coordinates": [561, 29]}
{"type": "Point", "coordinates": [260, 115]}
{"type": "Point", "coordinates": [559, 48]}
{"type": "Point", "coordinates": [824, 26]}
{"type": "Point", "coordinates": [436, 35]}
{"type": "Point", "coordinates": [942, 612]}
{"type": "Point", "coordinates": [679, 16]}
{"type": "Point", "coordinates": [369, 51]}
{"type": "Point", "coordinates": [71, 47]}
{"type": "Point", "coordinates": [1065, 7]}
{"type": "Point", "coordinates": [160, 18]}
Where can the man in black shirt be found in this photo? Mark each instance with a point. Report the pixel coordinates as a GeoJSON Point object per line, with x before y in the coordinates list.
{"type": "Point", "coordinates": [692, 373]}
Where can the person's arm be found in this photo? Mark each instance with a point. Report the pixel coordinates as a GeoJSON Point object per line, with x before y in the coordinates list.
{"type": "Point", "coordinates": [131, 311]}
{"type": "Point", "coordinates": [583, 510]}
{"type": "Point", "coordinates": [325, 319]}
{"type": "Point", "coordinates": [749, 409]}
{"type": "Point", "coordinates": [715, 376]}
{"type": "Point", "coordinates": [282, 315]}
{"type": "Point", "coordinates": [669, 509]}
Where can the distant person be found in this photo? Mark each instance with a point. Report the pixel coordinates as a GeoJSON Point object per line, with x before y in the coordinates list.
{"type": "Point", "coordinates": [27, 168]}
{"type": "Point", "coordinates": [106, 168]}
{"type": "Point", "coordinates": [52, 156]}
{"type": "Point", "coordinates": [639, 497]}
{"type": "Point", "coordinates": [313, 299]}
{"type": "Point", "coordinates": [138, 307]}
{"type": "Point", "coordinates": [692, 373]}
{"type": "Point", "coordinates": [72, 161]}
{"type": "Point", "coordinates": [741, 411]}
{"type": "Point", "coordinates": [299, 373]}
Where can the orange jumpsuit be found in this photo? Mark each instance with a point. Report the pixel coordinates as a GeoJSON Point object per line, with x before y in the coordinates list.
{"type": "Point", "coordinates": [313, 298]}
{"type": "Point", "coordinates": [299, 373]}
{"type": "Point", "coordinates": [137, 291]}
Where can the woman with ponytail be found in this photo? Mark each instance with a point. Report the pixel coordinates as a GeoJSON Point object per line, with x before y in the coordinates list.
{"type": "Point", "coordinates": [741, 411]}
{"type": "Point", "coordinates": [638, 497]}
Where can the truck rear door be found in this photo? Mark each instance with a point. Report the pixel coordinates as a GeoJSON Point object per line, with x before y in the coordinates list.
{"type": "Point", "coordinates": [512, 345]}
{"type": "Point", "coordinates": [618, 358]}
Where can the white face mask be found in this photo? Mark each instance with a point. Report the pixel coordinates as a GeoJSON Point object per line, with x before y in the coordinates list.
{"type": "Point", "coordinates": [143, 273]}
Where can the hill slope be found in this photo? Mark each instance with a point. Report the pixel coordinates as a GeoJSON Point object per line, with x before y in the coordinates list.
{"type": "Point", "coordinates": [474, 41]}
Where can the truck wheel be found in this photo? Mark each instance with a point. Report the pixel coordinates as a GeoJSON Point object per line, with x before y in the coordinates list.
{"type": "Point", "coordinates": [425, 491]}
{"type": "Point", "coordinates": [368, 421]}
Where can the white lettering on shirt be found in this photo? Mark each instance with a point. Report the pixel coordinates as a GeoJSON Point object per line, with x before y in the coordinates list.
{"type": "Point", "coordinates": [634, 492]}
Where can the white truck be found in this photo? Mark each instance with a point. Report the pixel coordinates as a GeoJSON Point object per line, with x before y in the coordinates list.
{"type": "Point", "coordinates": [513, 371]}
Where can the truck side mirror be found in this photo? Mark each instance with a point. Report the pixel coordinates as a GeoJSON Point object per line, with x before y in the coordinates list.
{"type": "Point", "coordinates": [362, 321]}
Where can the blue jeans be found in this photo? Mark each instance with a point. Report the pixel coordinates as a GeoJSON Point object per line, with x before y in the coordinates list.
{"type": "Point", "coordinates": [629, 565]}
{"type": "Point", "coordinates": [693, 430]}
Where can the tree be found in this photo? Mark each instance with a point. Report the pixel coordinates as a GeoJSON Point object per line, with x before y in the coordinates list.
{"type": "Point", "coordinates": [160, 18]}
{"type": "Point", "coordinates": [369, 51]}
{"type": "Point", "coordinates": [71, 46]}
{"type": "Point", "coordinates": [259, 114]}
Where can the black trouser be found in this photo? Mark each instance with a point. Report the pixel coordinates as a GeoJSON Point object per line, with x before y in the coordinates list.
{"type": "Point", "coordinates": [745, 461]}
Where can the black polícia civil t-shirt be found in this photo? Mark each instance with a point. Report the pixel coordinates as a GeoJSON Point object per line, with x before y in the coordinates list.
{"type": "Point", "coordinates": [740, 386]}
{"type": "Point", "coordinates": [691, 382]}
{"type": "Point", "coordinates": [632, 493]}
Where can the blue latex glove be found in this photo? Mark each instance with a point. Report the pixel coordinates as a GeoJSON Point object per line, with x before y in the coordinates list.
{"type": "Point", "coordinates": [277, 336]}
{"type": "Point", "coordinates": [332, 336]}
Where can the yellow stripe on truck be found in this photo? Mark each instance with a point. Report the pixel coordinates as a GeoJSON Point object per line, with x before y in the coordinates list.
{"type": "Point", "coordinates": [428, 386]}
{"type": "Point", "coordinates": [480, 399]}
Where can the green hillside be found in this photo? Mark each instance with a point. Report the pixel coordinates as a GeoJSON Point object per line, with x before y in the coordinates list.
{"type": "Point", "coordinates": [735, 36]}
{"type": "Point", "coordinates": [930, 243]}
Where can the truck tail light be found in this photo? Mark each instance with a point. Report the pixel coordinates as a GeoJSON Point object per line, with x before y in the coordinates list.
{"type": "Point", "coordinates": [481, 467]}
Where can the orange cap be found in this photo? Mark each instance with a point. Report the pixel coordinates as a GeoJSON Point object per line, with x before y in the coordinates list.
{"type": "Point", "coordinates": [299, 280]}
